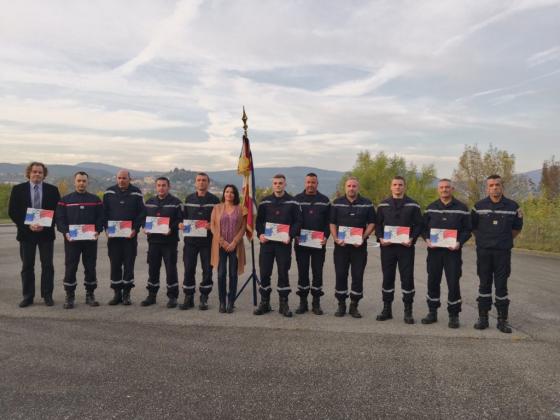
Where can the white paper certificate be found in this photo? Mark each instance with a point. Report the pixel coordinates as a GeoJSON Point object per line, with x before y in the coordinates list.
{"type": "Point", "coordinates": [311, 238]}
{"type": "Point", "coordinates": [39, 217]}
{"type": "Point", "coordinates": [351, 235]}
{"type": "Point", "coordinates": [157, 225]}
{"type": "Point", "coordinates": [443, 238]}
{"type": "Point", "coordinates": [195, 228]}
{"type": "Point", "coordinates": [119, 228]}
{"type": "Point", "coordinates": [396, 234]}
{"type": "Point", "coordinates": [277, 232]}
{"type": "Point", "coordinates": [82, 232]}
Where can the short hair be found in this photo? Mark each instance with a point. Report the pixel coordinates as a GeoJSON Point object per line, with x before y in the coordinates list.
{"type": "Point", "coordinates": [282, 176]}
{"type": "Point", "coordinates": [445, 180]}
{"type": "Point", "coordinates": [352, 178]}
{"type": "Point", "coordinates": [81, 173]}
{"type": "Point", "coordinates": [494, 176]}
{"type": "Point", "coordinates": [203, 174]}
{"type": "Point", "coordinates": [163, 178]}
{"type": "Point", "coordinates": [31, 165]}
{"type": "Point", "coordinates": [401, 178]}
{"type": "Point", "coordinates": [235, 194]}
{"type": "Point", "coordinates": [313, 174]}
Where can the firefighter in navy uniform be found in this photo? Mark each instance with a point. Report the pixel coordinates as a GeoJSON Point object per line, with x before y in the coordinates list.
{"type": "Point", "coordinates": [398, 210]}
{"type": "Point", "coordinates": [123, 202]}
{"type": "Point", "coordinates": [496, 221]}
{"type": "Point", "coordinates": [315, 208]}
{"type": "Point", "coordinates": [198, 206]}
{"type": "Point", "coordinates": [352, 210]}
{"type": "Point", "coordinates": [445, 213]}
{"type": "Point", "coordinates": [163, 246]}
{"type": "Point", "coordinates": [279, 207]}
{"type": "Point", "coordinates": [80, 208]}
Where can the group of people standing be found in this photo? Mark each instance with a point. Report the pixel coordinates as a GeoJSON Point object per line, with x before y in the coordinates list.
{"type": "Point", "coordinates": [281, 220]}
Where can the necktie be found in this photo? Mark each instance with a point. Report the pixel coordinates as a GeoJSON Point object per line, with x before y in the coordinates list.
{"type": "Point", "coordinates": [36, 197]}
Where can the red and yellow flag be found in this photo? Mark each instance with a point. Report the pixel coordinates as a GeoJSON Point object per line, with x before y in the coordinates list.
{"type": "Point", "coordinates": [246, 170]}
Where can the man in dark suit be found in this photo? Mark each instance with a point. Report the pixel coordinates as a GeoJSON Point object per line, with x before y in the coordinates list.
{"type": "Point", "coordinates": [39, 195]}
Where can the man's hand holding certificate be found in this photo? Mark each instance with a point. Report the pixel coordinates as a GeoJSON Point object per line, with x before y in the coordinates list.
{"type": "Point", "coordinates": [119, 228]}
{"type": "Point", "coordinates": [350, 235]}
{"type": "Point", "coordinates": [443, 238]}
{"type": "Point", "coordinates": [311, 238]}
{"type": "Point", "coordinates": [195, 228]}
{"type": "Point", "coordinates": [396, 234]}
{"type": "Point", "coordinates": [81, 233]}
{"type": "Point", "coordinates": [39, 217]}
{"type": "Point", "coordinates": [277, 232]}
{"type": "Point", "coordinates": [157, 225]}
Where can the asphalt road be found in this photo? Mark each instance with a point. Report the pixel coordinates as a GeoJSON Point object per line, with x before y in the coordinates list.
{"type": "Point", "coordinates": [134, 362]}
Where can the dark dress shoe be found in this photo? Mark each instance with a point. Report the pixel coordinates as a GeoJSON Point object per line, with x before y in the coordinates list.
{"type": "Point", "coordinates": [49, 301]}
{"type": "Point", "coordinates": [25, 303]}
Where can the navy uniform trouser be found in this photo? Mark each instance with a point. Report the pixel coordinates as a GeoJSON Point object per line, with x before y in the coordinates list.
{"type": "Point", "coordinates": [403, 257]}
{"type": "Point", "coordinates": [27, 252]}
{"type": "Point", "coordinates": [168, 253]}
{"type": "Point", "coordinates": [354, 258]}
{"type": "Point", "coordinates": [304, 256]}
{"type": "Point", "coordinates": [190, 257]}
{"type": "Point", "coordinates": [73, 250]}
{"type": "Point", "coordinates": [282, 253]}
{"type": "Point", "coordinates": [493, 266]}
{"type": "Point", "coordinates": [227, 267]}
{"type": "Point", "coordinates": [122, 255]}
{"type": "Point", "coordinates": [441, 260]}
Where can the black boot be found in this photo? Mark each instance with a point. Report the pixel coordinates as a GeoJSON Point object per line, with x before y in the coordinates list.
{"type": "Point", "coordinates": [90, 299]}
{"type": "Point", "coordinates": [303, 306]}
{"type": "Point", "coordinates": [222, 308]}
{"type": "Point", "coordinates": [482, 322]}
{"type": "Point", "coordinates": [353, 310]}
{"type": "Point", "coordinates": [203, 302]}
{"type": "Point", "coordinates": [386, 313]}
{"type": "Point", "coordinates": [150, 300]}
{"type": "Point", "coordinates": [503, 325]}
{"type": "Point", "coordinates": [117, 298]}
{"type": "Point", "coordinates": [408, 319]}
{"type": "Point", "coordinates": [316, 306]}
{"type": "Point", "coordinates": [230, 307]}
{"type": "Point", "coordinates": [264, 306]}
{"type": "Point", "coordinates": [126, 297]}
{"type": "Point", "coordinates": [453, 321]}
{"type": "Point", "coordinates": [188, 303]}
{"type": "Point", "coordinates": [341, 311]}
{"type": "Point", "coordinates": [284, 309]}
{"type": "Point", "coordinates": [172, 302]}
{"type": "Point", "coordinates": [69, 302]}
{"type": "Point", "coordinates": [431, 317]}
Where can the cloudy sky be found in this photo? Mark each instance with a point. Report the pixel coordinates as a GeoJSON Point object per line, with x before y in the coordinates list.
{"type": "Point", "coordinates": [157, 84]}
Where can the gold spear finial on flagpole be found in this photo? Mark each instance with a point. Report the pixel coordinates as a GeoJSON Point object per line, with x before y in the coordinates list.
{"type": "Point", "coordinates": [244, 119]}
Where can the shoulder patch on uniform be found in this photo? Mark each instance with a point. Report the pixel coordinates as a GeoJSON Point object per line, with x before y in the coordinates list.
{"type": "Point", "coordinates": [520, 213]}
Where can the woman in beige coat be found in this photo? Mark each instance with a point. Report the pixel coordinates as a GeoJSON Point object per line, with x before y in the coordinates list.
{"type": "Point", "coordinates": [228, 223]}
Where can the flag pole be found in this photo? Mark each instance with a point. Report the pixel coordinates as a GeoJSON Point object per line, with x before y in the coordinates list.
{"type": "Point", "coordinates": [253, 275]}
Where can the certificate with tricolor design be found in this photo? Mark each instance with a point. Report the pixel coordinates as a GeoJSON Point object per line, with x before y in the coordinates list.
{"type": "Point", "coordinates": [396, 234]}
{"type": "Point", "coordinates": [119, 228]}
{"type": "Point", "coordinates": [39, 217]}
{"type": "Point", "coordinates": [311, 238]}
{"type": "Point", "coordinates": [82, 232]}
{"type": "Point", "coordinates": [195, 228]}
{"type": "Point", "coordinates": [351, 235]}
{"type": "Point", "coordinates": [157, 225]}
{"type": "Point", "coordinates": [277, 232]}
{"type": "Point", "coordinates": [443, 238]}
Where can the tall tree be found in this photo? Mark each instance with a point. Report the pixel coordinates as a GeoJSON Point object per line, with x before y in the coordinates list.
{"type": "Point", "coordinates": [550, 179]}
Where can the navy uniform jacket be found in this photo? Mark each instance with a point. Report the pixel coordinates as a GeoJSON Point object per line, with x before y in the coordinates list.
{"type": "Point", "coordinates": [124, 205]}
{"type": "Point", "coordinates": [170, 206]}
{"type": "Point", "coordinates": [358, 213]}
{"type": "Point", "coordinates": [454, 215]}
{"type": "Point", "coordinates": [399, 212]}
{"type": "Point", "coordinates": [20, 200]}
{"type": "Point", "coordinates": [79, 209]}
{"type": "Point", "coordinates": [284, 210]}
{"type": "Point", "coordinates": [200, 208]}
{"type": "Point", "coordinates": [315, 211]}
{"type": "Point", "coordinates": [493, 223]}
